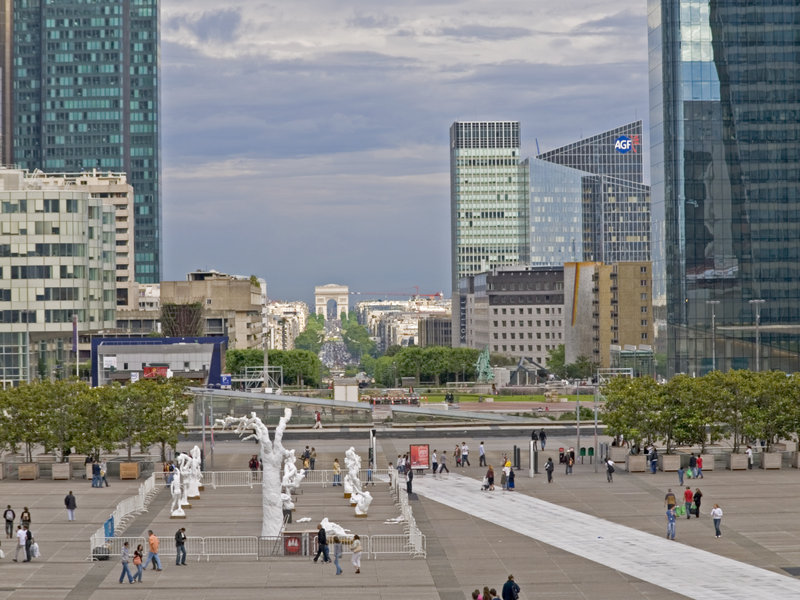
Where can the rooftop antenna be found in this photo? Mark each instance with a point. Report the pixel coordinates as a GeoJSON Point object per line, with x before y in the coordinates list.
{"type": "Point", "coordinates": [537, 146]}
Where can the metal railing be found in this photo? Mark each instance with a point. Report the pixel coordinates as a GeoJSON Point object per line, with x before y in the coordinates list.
{"type": "Point", "coordinates": [323, 477]}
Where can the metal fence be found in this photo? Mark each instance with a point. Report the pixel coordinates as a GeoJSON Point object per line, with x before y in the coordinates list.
{"type": "Point", "coordinates": [323, 477]}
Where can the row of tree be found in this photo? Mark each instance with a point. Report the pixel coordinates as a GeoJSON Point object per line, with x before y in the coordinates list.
{"type": "Point", "coordinates": [65, 416]}
{"type": "Point", "coordinates": [432, 364]}
{"type": "Point", "coordinates": [354, 335]}
{"type": "Point", "coordinates": [695, 411]}
{"type": "Point", "coordinates": [300, 367]}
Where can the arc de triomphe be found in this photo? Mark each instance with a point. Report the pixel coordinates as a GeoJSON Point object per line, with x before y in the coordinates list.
{"type": "Point", "coordinates": [331, 291]}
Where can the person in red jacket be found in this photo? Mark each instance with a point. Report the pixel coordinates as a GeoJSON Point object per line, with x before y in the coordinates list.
{"type": "Point", "coordinates": [688, 498]}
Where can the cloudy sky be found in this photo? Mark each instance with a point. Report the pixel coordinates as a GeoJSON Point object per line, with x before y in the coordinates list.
{"type": "Point", "coordinates": [306, 141]}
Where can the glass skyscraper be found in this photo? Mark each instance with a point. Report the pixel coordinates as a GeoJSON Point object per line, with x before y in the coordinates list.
{"type": "Point", "coordinates": [725, 119]}
{"type": "Point", "coordinates": [81, 92]}
{"type": "Point", "coordinates": [489, 203]}
{"type": "Point", "coordinates": [588, 201]}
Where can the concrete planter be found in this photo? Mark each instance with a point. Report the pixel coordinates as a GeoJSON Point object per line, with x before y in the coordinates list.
{"type": "Point", "coordinates": [669, 462]}
{"type": "Point", "coordinates": [771, 460]}
{"type": "Point", "coordinates": [28, 471]}
{"type": "Point", "coordinates": [62, 471]}
{"type": "Point", "coordinates": [737, 462]}
{"type": "Point", "coordinates": [636, 463]}
{"type": "Point", "coordinates": [619, 454]}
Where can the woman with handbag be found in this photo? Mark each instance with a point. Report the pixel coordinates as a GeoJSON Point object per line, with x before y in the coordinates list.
{"type": "Point", "coordinates": [355, 548]}
{"type": "Point", "coordinates": [138, 556]}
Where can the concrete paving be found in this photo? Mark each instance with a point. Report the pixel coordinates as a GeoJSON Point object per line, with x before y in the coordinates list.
{"type": "Point", "coordinates": [535, 539]}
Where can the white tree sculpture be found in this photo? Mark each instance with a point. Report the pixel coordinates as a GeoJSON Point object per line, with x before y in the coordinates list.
{"type": "Point", "coordinates": [271, 454]}
{"type": "Point", "coordinates": [184, 466]}
{"type": "Point", "coordinates": [352, 462]}
{"type": "Point", "coordinates": [359, 497]}
{"type": "Point", "coordinates": [195, 474]}
{"type": "Point", "coordinates": [291, 476]}
{"type": "Point", "coordinates": [176, 489]}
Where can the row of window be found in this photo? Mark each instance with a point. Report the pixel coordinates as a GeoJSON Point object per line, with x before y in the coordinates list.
{"type": "Point", "coordinates": [555, 323]}
{"type": "Point", "coordinates": [547, 309]}
{"type": "Point", "coordinates": [556, 336]}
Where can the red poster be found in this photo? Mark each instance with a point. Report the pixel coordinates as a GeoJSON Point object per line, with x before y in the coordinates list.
{"type": "Point", "coordinates": [150, 372]}
{"type": "Point", "coordinates": [420, 456]}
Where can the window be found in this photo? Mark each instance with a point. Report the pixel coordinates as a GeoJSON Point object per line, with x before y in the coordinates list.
{"type": "Point", "coordinates": [643, 270]}
{"type": "Point", "coordinates": [643, 297]}
{"type": "Point", "coordinates": [643, 309]}
{"type": "Point", "coordinates": [643, 282]}
{"type": "Point", "coordinates": [644, 322]}
{"type": "Point", "coordinates": [644, 336]}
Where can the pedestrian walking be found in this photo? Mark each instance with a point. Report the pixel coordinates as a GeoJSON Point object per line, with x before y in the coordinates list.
{"type": "Point", "coordinates": [25, 517]}
{"type": "Point", "coordinates": [317, 420]}
{"type": "Point", "coordinates": [125, 557]}
{"type": "Point", "coordinates": [699, 467]}
{"type": "Point", "coordinates": [610, 470]}
{"type": "Point", "coordinates": [510, 589]}
{"type": "Point", "coordinates": [312, 457]}
{"type": "Point", "coordinates": [103, 470]}
{"type": "Point", "coordinates": [180, 547]}
{"type": "Point", "coordinates": [693, 465]}
{"type": "Point", "coordinates": [535, 439]}
{"type": "Point", "coordinates": [355, 548]}
{"type": "Point", "coordinates": [716, 515]}
{"type": "Point", "coordinates": [490, 479]}
{"type": "Point", "coordinates": [96, 475]}
{"type": "Point", "coordinates": [443, 463]}
{"type": "Point", "coordinates": [680, 475]}
{"type": "Point", "coordinates": [749, 453]}
{"type": "Point", "coordinates": [653, 460]}
{"type": "Point", "coordinates": [370, 467]}
{"type": "Point", "coordinates": [337, 553]}
{"type": "Point", "coordinates": [434, 461]}
{"type": "Point", "coordinates": [465, 455]}
{"type": "Point", "coordinates": [28, 543]}
{"type": "Point", "coordinates": [542, 438]}
{"type": "Point", "coordinates": [568, 464]}
{"type": "Point", "coordinates": [671, 519]}
{"type": "Point", "coordinates": [9, 515]}
{"type": "Point", "coordinates": [548, 467]}
{"type": "Point", "coordinates": [698, 496]}
{"type": "Point", "coordinates": [510, 479]}
{"type": "Point", "coordinates": [152, 555]}
{"type": "Point", "coordinates": [457, 456]}
{"type": "Point", "coordinates": [21, 536]}
{"type": "Point", "coordinates": [409, 479]}
{"type": "Point", "coordinates": [482, 455]}
{"type": "Point", "coordinates": [669, 499]}
{"type": "Point", "coordinates": [504, 477]}
{"type": "Point", "coordinates": [322, 544]}
{"type": "Point", "coordinates": [138, 559]}
{"type": "Point", "coordinates": [688, 498]}
{"type": "Point", "coordinates": [71, 504]}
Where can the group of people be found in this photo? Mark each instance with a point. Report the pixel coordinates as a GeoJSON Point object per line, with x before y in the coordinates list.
{"type": "Point", "coordinates": [25, 542]}
{"type": "Point", "coordinates": [324, 550]}
{"type": "Point", "coordinates": [138, 560]}
{"type": "Point", "coordinates": [694, 470]}
{"type": "Point", "coordinates": [691, 505]}
{"type": "Point", "coordinates": [309, 458]}
{"type": "Point", "coordinates": [506, 478]}
{"type": "Point", "coordinates": [99, 469]}
{"type": "Point", "coordinates": [510, 591]}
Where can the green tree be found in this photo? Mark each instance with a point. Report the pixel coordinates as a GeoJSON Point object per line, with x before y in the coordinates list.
{"type": "Point", "coordinates": [166, 403]}
{"type": "Point", "coordinates": [312, 336]}
{"type": "Point", "coordinates": [356, 338]}
{"type": "Point", "coordinates": [300, 367]}
{"type": "Point", "coordinates": [556, 361]}
{"type": "Point", "coordinates": [462, 364]}
{"type": "Point", "coordinates": [385, 371]}
{"type": "Point", "coordinates": [772, 412]}
{"type": "Point", "coordinates": [367, 364]}
{"type": "Point", "coordinates": [435, 361]}
{"type": "Point", "coordinates": [237, 360]}
{"type": "Point", "coordinates": [632, 408]}
{"type": "Point", "coordinates": [410, 361]}
{"type": "Point", "coordinates": [582, 368]}
{"type": "Point", "coordinates": [97, 416]}
{"type": "Point", "coordinates": [62, 427]}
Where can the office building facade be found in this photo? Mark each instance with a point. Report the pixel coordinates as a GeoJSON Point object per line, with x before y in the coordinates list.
{"type": "Point", "coordinates": [489, 204]}
{"type": "Point", "coordinates": [57, 262]}
{"type": "Point", "coordinates": [589, 202]}
{"type": "Point", "coordinates": [725, 139]}
{"type": "Point", "coordinates": [80, 91]}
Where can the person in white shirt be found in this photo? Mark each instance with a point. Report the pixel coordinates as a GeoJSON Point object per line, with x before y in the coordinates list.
{"type": "Point", "coordinates": [716, 515]}
{"type": "Point", "coordinates": [482, 453]}
{"type": "Point", "coordinates": [464, 454]}
{"type": "Point", "coordinates": [22, 535]}
{"type": "Point", "coordinates": [435, 463]}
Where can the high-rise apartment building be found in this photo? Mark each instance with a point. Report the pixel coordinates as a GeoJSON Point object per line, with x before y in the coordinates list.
{"type": "Point", "coordinates": [57, 263]}
{"type": "Point", "coordinates": [489, 203]}
{"type": "Point", "coordinates": [80, 91]}
{"type": "Point", "coordinates": [725, 119]}
{"type": "Point", "coordinates": [589, 202]}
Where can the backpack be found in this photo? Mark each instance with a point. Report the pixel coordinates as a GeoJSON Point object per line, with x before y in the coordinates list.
{"type": "Point", "coordinates": [610, 468]}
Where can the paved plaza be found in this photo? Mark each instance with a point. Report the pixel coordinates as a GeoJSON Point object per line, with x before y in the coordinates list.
{"type": "Point", "coordinates": [577, 538]}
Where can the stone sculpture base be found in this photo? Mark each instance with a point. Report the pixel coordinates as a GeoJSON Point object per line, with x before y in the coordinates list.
{"type": "Point", "coordinates": [186, 505]}
{"type": "Point", "coordinates": [361, 516]}
{"type": "Point", "coordinates": [177, 516]}
{"type": "Point", "coordinates": [194, 497]}
{"type": "Point", "coordinates": [347, 494]}
{"type": "Point", "coordinates": [354, 504]}
{"type": "Point", "coordinates": [202, 488]}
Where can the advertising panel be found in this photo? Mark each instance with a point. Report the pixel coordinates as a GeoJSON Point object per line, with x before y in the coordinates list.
{"type": "Point", "coordinates": [419, 455]}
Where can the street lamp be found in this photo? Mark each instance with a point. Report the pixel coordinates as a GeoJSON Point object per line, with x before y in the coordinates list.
{"type": "Point", "coordinates": [757, 304]}
{"type": "Point", "coordinates": [713, 304]}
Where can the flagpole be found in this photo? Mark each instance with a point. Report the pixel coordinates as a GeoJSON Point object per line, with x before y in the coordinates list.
{"type": "Point", "coordinates": [75, 343]}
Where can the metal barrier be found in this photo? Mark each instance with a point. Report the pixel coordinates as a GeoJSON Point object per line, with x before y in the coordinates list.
{"type": "Point", "coordinates": [230, 546]}
{"type": "Point", "coordinates": [232, 478]}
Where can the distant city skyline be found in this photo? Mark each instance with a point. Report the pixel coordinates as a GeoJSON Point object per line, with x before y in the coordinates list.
{"type": "Point", "coordinates": [309, 145]}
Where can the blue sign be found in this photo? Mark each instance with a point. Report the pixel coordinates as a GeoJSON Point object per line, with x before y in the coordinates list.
{"type": "Point", "coordinates": [624, 144]}
{"type": "Point", "coordinates": [225, 379]}
{"type": "Point", "coordinates": [108, 527]}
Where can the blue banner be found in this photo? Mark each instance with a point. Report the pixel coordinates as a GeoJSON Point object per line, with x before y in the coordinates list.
{"type": "Point", "coordinates": [108, 527]}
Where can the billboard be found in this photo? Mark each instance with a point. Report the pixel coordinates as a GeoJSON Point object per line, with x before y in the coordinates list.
{"type": "Point", "coordinates": [419, 455]}
{"type": "Point", "coordinates": [150, 372]}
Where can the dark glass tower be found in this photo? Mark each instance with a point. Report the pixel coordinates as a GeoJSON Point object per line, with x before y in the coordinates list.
{"type": "Point", "coordinates": [725, 118]}
{"type": "Point", "coordinates": [80, 92]}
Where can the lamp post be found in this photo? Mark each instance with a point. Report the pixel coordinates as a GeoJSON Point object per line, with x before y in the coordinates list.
{"type": "Point", "coordinates": [713, 304]}
{"type": "Point", "coordinates": [757, 304]}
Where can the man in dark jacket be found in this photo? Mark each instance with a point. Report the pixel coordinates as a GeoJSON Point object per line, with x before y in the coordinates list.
{"type": "Point", "coordinates": [180, 547]}
{"type": "Point", "coordinates": [510, 589]}
{"type": "Point", "coordinates": [322, 543]}
{"type": "Point", "coordinates": [71, 504]}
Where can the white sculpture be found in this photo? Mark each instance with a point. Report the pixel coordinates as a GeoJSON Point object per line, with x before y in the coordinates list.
{"type": "Point", "coordinates": [271, 454]}
{"type": "Point", "coordinates": [352, 462]}
{"type": "Point", "coordinates": [195, 474]}
{"type": "Point", "coordinates": [291, 476]}
{"type": "Point", "coordinates": [362, 499]}
{"type": "Point", "coordinates": [183, 464]}
{"type": "Point", "coordinates": [332, 529]}
{"type": "Point", "coordinates": [286, 501]}
{"type": "Point", "coordinates": [176, 489]}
